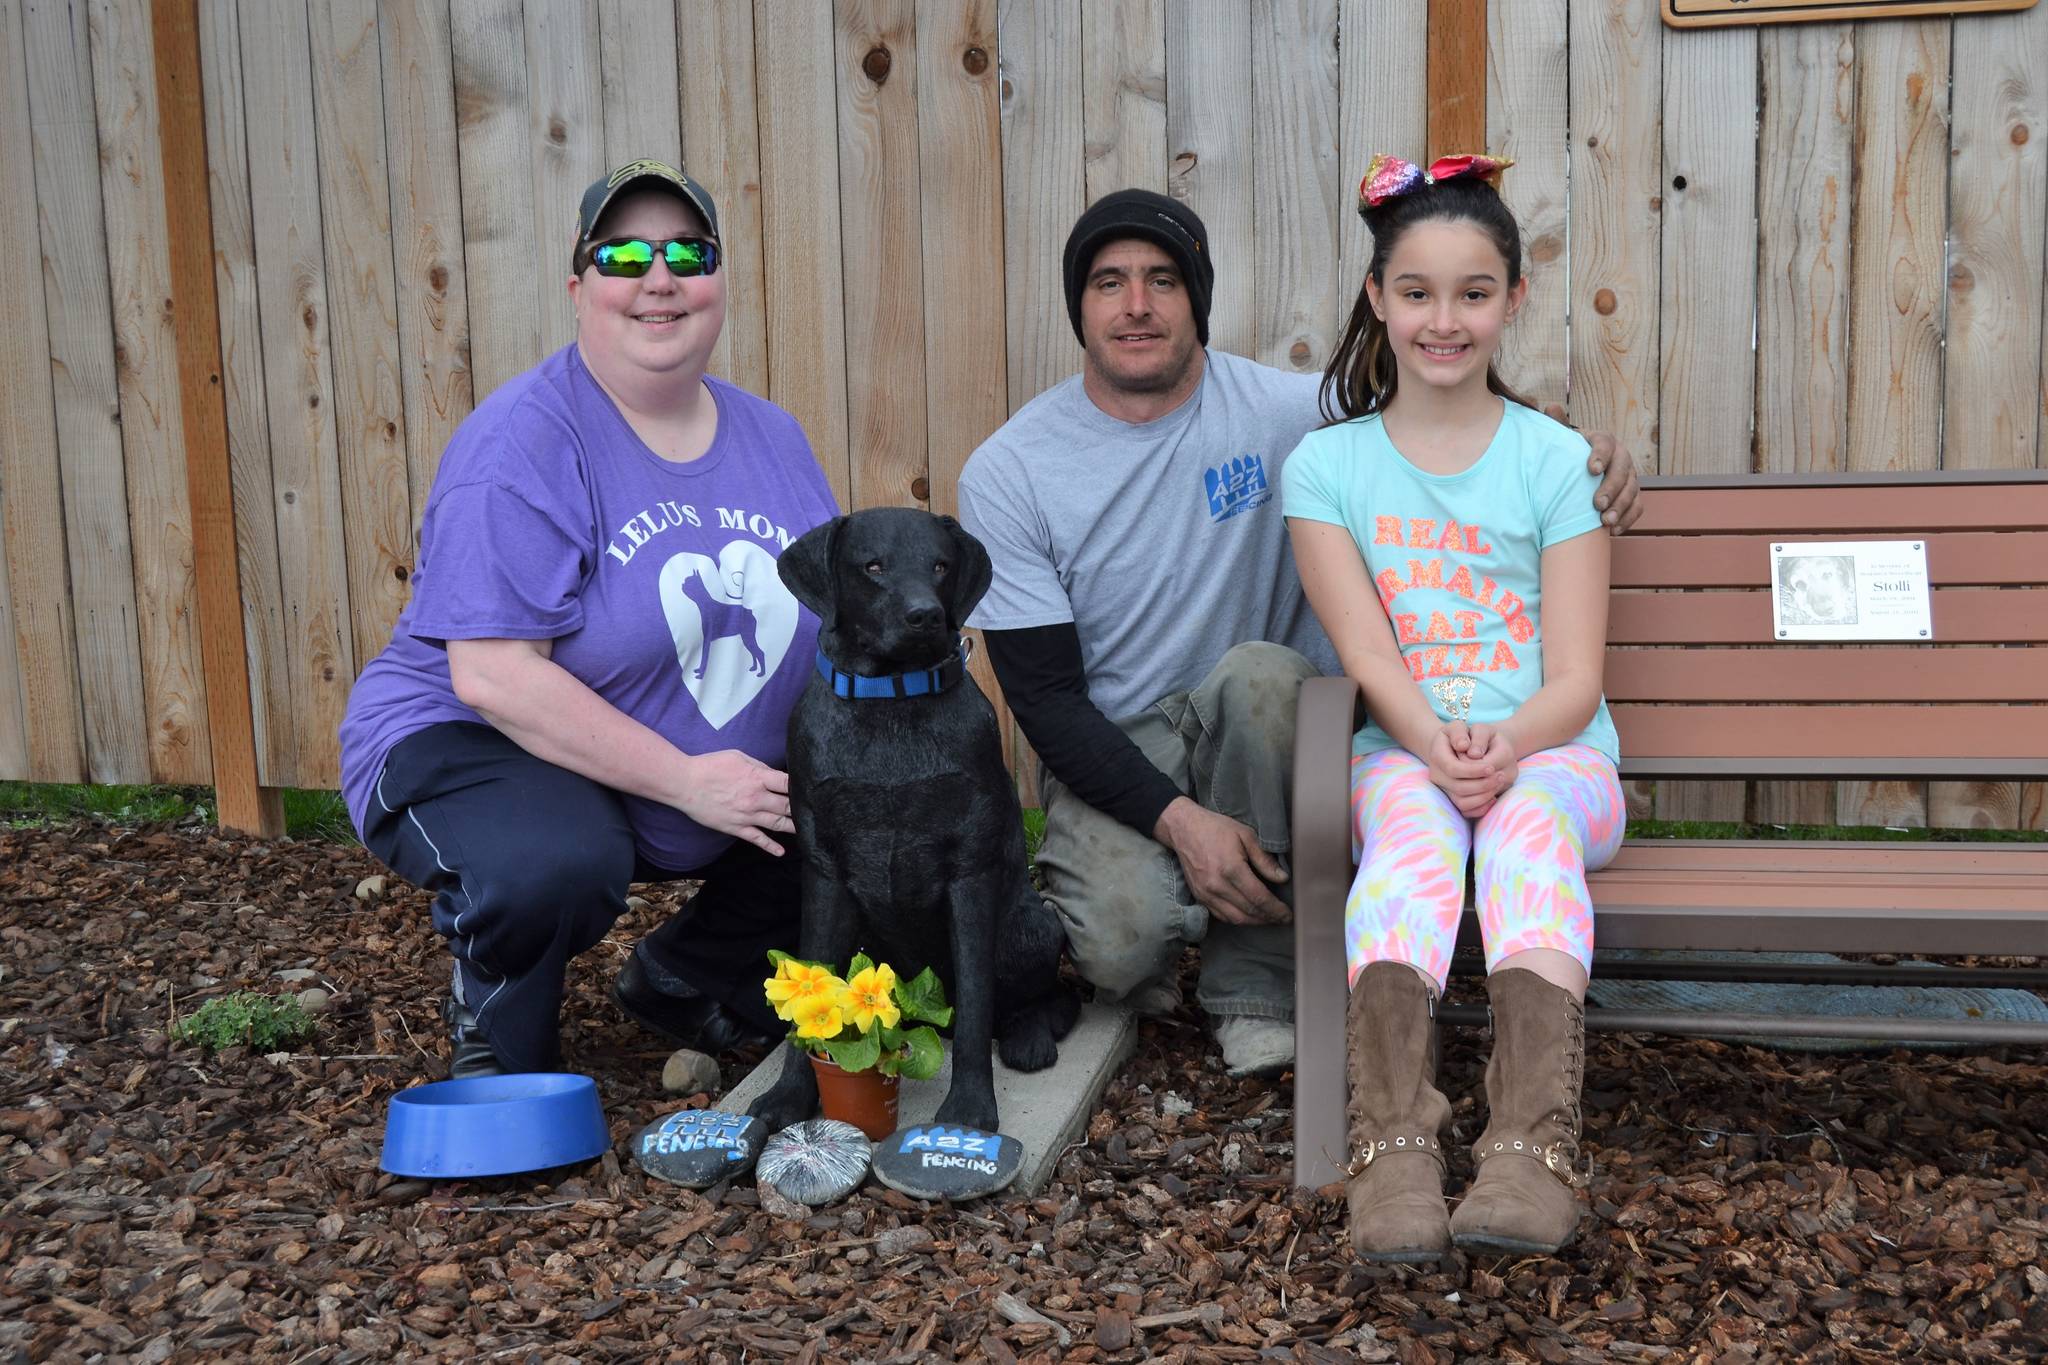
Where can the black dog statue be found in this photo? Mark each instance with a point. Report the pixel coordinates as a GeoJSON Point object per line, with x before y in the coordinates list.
{"type": "Point", "coordinates": [907, 823]}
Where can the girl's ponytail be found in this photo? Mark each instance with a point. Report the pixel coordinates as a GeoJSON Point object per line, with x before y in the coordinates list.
{"type": "Point", "coordinates": [1361, 375]}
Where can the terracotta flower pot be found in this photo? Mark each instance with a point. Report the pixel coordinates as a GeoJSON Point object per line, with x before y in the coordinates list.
{"type": "Point", "coordinates": [865, 1099]}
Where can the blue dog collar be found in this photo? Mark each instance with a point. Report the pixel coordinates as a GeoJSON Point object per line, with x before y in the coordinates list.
{"type": "Point", "coordinates": [924, 682]}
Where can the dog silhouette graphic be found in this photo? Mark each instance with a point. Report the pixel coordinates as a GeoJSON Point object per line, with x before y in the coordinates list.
{"type": "Point", "coordinates": [719, 619]}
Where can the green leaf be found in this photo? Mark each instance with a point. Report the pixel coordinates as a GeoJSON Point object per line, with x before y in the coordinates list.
{"type": "Point", "coordinates": [777, 957]}
{"type": "Point", "coordinates": [926, 1053]}
{"type": "Point", "coordinates": [861, 962]}
{"type": "Point", "coordinates": [922, 997]}
{"type": "Point", "coordinates": [856, 1055]}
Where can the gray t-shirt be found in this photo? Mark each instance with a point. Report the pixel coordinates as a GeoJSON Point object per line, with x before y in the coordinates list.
{"type": "Point", "coordinates": [1162, 542]}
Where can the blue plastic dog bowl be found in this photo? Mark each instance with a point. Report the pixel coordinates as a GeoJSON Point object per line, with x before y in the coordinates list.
{"type": "Point", "coordinates": [494, 1125]}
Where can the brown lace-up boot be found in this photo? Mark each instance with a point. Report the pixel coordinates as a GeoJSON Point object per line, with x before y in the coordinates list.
{"type": "Point", "coordinates": [1525, 1198]}
{"type": "Point", "coordinates": [1396, 1185]}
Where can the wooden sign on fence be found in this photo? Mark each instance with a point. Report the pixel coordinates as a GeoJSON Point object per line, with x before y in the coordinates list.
{"type": "Point", "coordinates": [1716, 13]}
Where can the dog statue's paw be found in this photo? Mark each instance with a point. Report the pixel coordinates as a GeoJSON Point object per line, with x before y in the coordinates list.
{"type": "Point", "coordinates": [1029, 1039]}
{"type": "Point", "coordinates": [968, 1111]}
{"type": "Point", "coordinates": [792, 1099]}
{"type": "Point", "coordinates": [1028, 1047]}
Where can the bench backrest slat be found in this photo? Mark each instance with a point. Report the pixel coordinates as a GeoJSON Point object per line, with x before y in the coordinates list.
{"type": "Point", "coordinates": [1822, 673]}
{"type": "Point", "coordinates": [1961, 616]}
{"type": "Point", "coordinates": [1973, 558]}
{"type": "Point", "coordinates": [1699, 686]}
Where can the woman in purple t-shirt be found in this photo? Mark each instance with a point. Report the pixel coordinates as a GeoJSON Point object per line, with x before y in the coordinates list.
{"type": "Point", "coordinates": [593, 679]}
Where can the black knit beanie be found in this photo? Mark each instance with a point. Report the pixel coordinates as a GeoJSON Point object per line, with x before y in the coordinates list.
{"type": "Point", "coordinates": [1166, 223]}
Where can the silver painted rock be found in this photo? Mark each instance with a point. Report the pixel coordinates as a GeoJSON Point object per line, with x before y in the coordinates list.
{"type": "Point", "coordinates": [814, 1162]}
{"type": "Point", "coordinates": [937, 1162]}
{"type": "Point", "coordinates": [698, 1147]}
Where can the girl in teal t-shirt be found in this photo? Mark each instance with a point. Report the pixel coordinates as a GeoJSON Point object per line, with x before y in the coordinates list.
{"type": "Point", "coordinates": [1446, 538]}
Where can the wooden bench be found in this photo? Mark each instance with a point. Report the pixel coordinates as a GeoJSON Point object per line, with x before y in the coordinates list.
{"type": "Point", "coordinates": [1700, 690]}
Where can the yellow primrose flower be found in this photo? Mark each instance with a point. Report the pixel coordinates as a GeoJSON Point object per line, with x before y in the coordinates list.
{"type": "Point", "coordinates": [871, 995]}
{"type": "Point", "coordinates": [817, 1015]}
{"type": "Point", "coordinates": [794, 980]}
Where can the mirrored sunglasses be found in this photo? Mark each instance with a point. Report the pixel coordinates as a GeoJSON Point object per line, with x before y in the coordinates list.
{"type": "Point", "coordinates": [632, 257]}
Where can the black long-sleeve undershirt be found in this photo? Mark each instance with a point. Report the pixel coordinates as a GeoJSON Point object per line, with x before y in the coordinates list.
{"type": "Point", "coordinates": [1040, 670]}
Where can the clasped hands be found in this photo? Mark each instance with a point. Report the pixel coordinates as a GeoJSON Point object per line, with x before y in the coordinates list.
{"type": "Point", "coordinates": [1473, 764]}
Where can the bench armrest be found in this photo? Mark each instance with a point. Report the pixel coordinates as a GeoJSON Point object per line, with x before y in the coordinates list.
{"type": "Point", "coordinates": [1329, 713]}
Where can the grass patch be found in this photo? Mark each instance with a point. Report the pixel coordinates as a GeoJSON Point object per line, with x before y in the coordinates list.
{"type": "Point", "coordinates": [1709, 829]}
{"type": "Point", "coordinates": [24, 805]}
{"type": "Point", "coordinates": [265, 1023]}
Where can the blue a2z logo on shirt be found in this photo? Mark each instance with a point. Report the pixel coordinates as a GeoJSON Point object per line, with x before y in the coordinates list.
{"type": "Point", "coordinates": [1235, 486]}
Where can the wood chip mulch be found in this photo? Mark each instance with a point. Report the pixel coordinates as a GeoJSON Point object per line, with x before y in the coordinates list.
{"type": "Point", "coordinates": [159, 1204]}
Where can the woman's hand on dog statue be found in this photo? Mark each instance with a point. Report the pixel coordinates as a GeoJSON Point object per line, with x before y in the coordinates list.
{"type": "Point", "coordinates": [1226, 870]}
{"type": "Point", "coordinates": [736, 793]}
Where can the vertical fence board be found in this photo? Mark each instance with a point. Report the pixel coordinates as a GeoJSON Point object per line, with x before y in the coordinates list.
{"type": "Point", "coordinates": [1044, 186]}
{"type": "Point", "coordinates": [1209, 123]}
{"type": "Point", "coordinates": [244, 385]}
{"type": "Point", "coordinates": [565, 130]}
{"type": "Point", "coordinates": [1708, 291]}
{"type": "Point", "coordinates": [1044, 191]}
{"type": "Point", "coordinates": [81, 363]}
{"type": "Point", "coordinates": [1709, 250]}
{"type": "Point", "coordinates": [1897, 288]}
{"type": "Point", "coordinates": [369, 419]}
{"type": "Point", "coordinates": [291, 296]}
{"type": "Point", "coordinates": [1998, 196]}
{"type": "Point", "coordinates": [1382, 107]}
{"type": "Point", "coordinates": [1457, 75]}
{"type": "Point", "coordinates": [426, 237]}
{"type": "Point", "coordinates": [642, 104]}
{"type": "Point", "coordinates": [800, 227]}
{"type": "Point", "coordinates": [1123, 95]}
{"type": "Point", "coordinates": [721, 148]}
{"type": "Point", "coordinates": [960, 134]}
{"type": "Point", "coordinates": [1804, 164]}
{"type": "Point", "coordinates": [42, 729]}
{"type": "Point", "coordinates": [1804, 141]}
{"type": "Point", "coordinates": [152, 430]}
{"type": "Point", "coordinates": [880, 209]}
{"type": "Point", "coordinates": [965, 363]}
{"type": "Point", "coordinates": [506, 269]}
{"type": "Point", "coordinates": [1525, 111]}
{"type": "Point", "coordinates": [1616, 181]}
{"type": "Point", "coordinates": [1295, 181]}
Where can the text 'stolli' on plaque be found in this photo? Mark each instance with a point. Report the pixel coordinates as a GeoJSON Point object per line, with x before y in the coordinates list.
{"type": "Point", "coordinates": [1850, 590]}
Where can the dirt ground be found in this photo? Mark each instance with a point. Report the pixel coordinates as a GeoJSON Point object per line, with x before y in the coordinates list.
{"type": "Point", "coordinates": [160, 1204]}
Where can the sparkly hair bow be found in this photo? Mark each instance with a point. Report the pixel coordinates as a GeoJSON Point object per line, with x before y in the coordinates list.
{"type": "Point", "coordinates": [1389, 177]}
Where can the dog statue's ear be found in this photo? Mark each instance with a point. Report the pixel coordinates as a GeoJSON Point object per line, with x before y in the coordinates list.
{"type": "Point", "coordinates": [806, 567]}
{"type": "Point", "coordinates": [971, 576]}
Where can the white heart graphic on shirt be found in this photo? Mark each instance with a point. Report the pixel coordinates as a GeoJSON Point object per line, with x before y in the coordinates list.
{"type": "Point", "coordinates": [731, 620]}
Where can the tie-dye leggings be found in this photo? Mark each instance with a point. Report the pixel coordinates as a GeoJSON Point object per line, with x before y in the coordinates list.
{"type": "Point", "coordinates": [1531, 852]}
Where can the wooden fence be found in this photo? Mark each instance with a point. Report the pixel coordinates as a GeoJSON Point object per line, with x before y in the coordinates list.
{"type": "Point", "coordinates": [1794, 248]}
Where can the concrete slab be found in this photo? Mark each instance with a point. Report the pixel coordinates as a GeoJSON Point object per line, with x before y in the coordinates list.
{"type": "Point", "coordinates": [1042, 1110]}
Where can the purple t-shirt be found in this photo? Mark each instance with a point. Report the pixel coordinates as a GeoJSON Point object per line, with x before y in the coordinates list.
{"type": "Point", "coordinates": [550, 519]}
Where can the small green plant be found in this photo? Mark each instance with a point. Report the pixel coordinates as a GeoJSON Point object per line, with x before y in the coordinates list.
{"type": "Point", "coordinates": [245, 1017]}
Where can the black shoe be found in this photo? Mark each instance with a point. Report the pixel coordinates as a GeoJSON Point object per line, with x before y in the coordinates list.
{"type": "Point", "coordinates": [692, 1021]}
{"type": "Point", "coordinates": [469, 1056]}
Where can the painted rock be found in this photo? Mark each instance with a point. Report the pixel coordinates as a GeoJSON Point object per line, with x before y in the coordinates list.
{"type": "Point", "coordinates": [698, 1147]}
{"type": "Point", "coordinates": [814, 1162]}
{"type": "Point", "coordinates": [936, 1162]}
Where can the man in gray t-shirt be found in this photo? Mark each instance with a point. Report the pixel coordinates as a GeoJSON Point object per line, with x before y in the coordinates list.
{"type": "Point", "coordinates": [1149, 630]}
